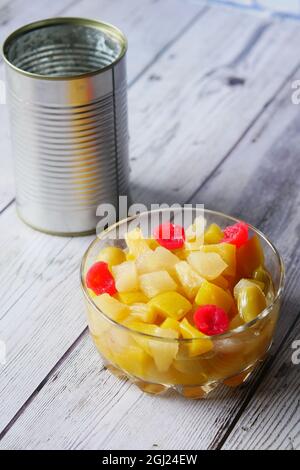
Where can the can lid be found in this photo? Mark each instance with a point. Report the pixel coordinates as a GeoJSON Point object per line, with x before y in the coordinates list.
{"type": "Point", "coordinates": [64, 48]}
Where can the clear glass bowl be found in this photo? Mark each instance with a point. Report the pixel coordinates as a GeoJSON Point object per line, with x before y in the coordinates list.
{"type": "Point", "coordinates": [234, 354]}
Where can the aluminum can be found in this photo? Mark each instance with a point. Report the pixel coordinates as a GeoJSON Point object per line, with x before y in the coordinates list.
{"type": "Point", "coordinates": [67, 95]}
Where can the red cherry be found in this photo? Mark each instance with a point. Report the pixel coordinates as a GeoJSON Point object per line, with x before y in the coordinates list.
{"type": "Point", "coordinates": [170, 236]}
{"type": "Point", "coordinates": [211, 320]}
{"type": "Point", "coordinates": [100, 279]}
{"type": "Point", "coordinates": [236, 234]}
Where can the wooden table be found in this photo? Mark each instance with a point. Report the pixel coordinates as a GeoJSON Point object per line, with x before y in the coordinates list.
{"type": "Point", "coordinates": [211, 121]}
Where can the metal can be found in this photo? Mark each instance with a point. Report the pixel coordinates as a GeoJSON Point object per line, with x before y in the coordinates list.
{"type": "Point", "coordinates": [67, 92]}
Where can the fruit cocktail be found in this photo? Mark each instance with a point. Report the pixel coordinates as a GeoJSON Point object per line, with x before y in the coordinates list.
{"type": "Point", "coordinates": [187, 308]}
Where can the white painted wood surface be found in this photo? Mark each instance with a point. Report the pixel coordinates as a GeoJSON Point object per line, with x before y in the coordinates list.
{"type": "Point", "coordinates": [194, 136]}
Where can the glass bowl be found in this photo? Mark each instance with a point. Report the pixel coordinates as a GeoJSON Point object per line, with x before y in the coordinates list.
{"type": "Point", "coordinates": [142, 358]}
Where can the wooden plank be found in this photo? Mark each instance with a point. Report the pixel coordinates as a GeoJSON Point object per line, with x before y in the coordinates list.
{"type": "Point", "coordinates": [251, 168]}
{"type": "Point", "coordinates": [272, 420]}
{"type": "Point", "coordinates": [40, 317]}
{"type": "Point", "coordinates": [201, 97]}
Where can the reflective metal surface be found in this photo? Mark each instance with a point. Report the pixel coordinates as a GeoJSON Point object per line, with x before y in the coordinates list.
{"type": "Point", "coordinates": [66, 82]}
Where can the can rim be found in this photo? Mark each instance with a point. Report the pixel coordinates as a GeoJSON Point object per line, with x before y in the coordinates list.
{"type": "Point", "coordinates": [101, 25]}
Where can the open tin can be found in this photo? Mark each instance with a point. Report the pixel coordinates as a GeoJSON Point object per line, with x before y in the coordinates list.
{"type": "Point", "coordinates": [67, 92]}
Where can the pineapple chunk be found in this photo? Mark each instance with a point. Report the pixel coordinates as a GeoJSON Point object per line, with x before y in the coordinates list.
{"type": "Point", "coordinates": [98, 324]}
{"type": "Point", "coordinates": [208, 265]}
{"type": "Point", "coordinates": [147, 262]}
{"type": "Point", "coordinates": [162, 351]}
{"type": "Point", "coordinates": [197, 346]}
{"type": "Point", "coordinates": [166, 259]}
{"type": "Point", "coordinates": [210, 294]}
{"type": "Point", "coordinates": [213, 234]}
{"type": "Point", "coordinates": [141, 327]}
{"type": "Point", "coordinates": [195, 234]}
{"type": "Point", "coordinates": [111, 255]}
{"type": "Point", "coordinates": [134, 360]}
{"type": "Point", "coordinates": [111, 307]}
{"type": "Point", "coordinates": [188, 278]}
{"type": "Point", "coordinates": [129, 298]}
{"type": "Point", "coordinates": [171, 304]}
{"type": "Point", "coordinates": [171, 324]}
{"type": "Point", "coordinates": [196, 230]}
{"type": "Point", "coordinates": [156, 283]}
{"type": "Point", "coordinates": [136, 243]}
{"type": "Point", "coordinates": [126, 277]}
{"type": "Point", "coordinates": [158, 260]}
{"type": "Point", "coordinates": [250, 299]}
{"type": "Point", "coordinates": [143, 312]}
{"type": "Point", "coordinates": [227, 253]}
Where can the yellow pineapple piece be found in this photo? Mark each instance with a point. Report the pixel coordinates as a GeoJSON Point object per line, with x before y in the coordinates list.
{"type": "Point", "coordinates": [159, 260]}
{"type": "Point", "coordinates": [202, 343]}
{"type": "Point", "coordinates": [141, 327]}
{"type": "Point", "coordinates": [213, 234]}
{"type": "Point", "coordinates": [155, 283]}
{"type": "Point", "coordinates": [210, 294]}
{"type": "Point", "coordinates": [196, 230]}
{"type": "Point", "coordinates": [250, 299]}
{"type": "Point", "coordinates": [134, 360]}
{"type": "Point", "coordinates": [98, 324]}
{"type": "Point", "coordinates": [208, 265]}
{"type": "Point", "coordinates": [188, 278]}
{"type": "Point", "coordinates": [136, 243]}
{"type": "Point", "coordinates": [138, 326]}
{"type": "Point", "coordinates": [227, 253]}
{"type": "Point", "coordinates": [195, 234]}
{"type": "Point", "coordinates": [166, 259]}
{"type": "Point", "coordinates": [143, 312]}
{"type": "Point", "coordinates": [171, 304]}
{"type": "Point", "coordinates": [111, 307]}
{"type": "Point", "coordinates": [163, 352]}
{"type": "Point", "coordinates": [126, 277]}
{"type": "Point", "coordinates": [147, 262]}
{"type": "Point", "coordinates": [111, 255]}
{"type": "Point", "coordinates": [129, 298]}
{"type": "Point", "coordinates": [171, 324]}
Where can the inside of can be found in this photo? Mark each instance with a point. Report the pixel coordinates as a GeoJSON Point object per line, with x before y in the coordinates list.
{"type": "Point", "coordinates": [62, 50]}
